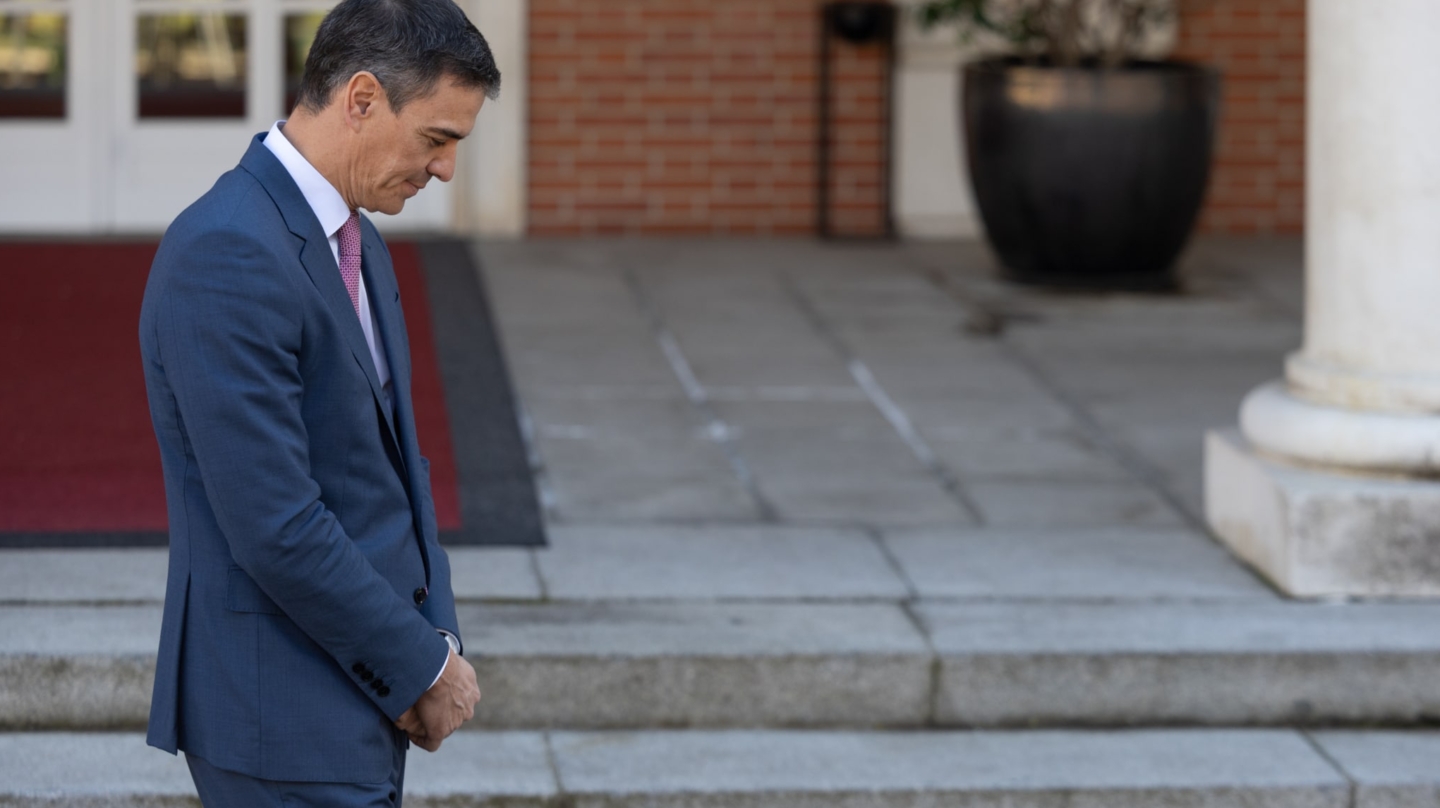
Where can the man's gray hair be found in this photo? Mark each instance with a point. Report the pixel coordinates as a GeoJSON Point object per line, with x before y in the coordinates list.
{"type": "Point", "coordinates": [409, 45]}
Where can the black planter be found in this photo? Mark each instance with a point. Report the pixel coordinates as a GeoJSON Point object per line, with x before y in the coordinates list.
{"type": "Point", "coordinates": [1089, 178]}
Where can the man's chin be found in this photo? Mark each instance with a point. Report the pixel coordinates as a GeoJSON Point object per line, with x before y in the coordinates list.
{"type": "Point", "coordinates": [391, 208]}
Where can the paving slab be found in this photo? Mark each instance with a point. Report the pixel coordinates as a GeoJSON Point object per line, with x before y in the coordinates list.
{"type": "Point", "coordinates": [790, 393]}
{"type": "Point", "coordinates": [646, 562]}
{"type": "Point", "coordinates": [1195, 408]}
{"type": "Point", "coordinates": [731, 367]}
{"type": "Point", "coordinates": [1244, 661]}
{"type": "Point", "coordinates": [1014, 770]}
{"type": "Point", "coordinates": [131, 575]}
{"type": "Point", "coordinates": [909, 499]}
{"type": "Point", "coordinates": [857, 472]}
{"type": "Point", "coordinates": [1106, 563]}
{"type": "Point", "coordinates": [77, 667]}
{"type": "Point", "coordinates": [1044, 769]}
{"type": "Point", "coordinates": [91, 770]}
{"type": "Point", "coordinates": [557, 294]}
{"type": "Point", "coordinates": [635, 460]}
{"type": "Point", "coordinates": [1070, 504]}
{"type": "Point", "coordinates": [577, 361]}
{"type": "Point", "coordinates": [579, 665]}
{"type": "Point", "coordinates": [649, 475]}
{"type": "Point", "coordinates": [686, 664]}
{"type": "Point", "coordinates": [1389, 769]}
{"type": "Point", "coordinates": [853, 417]}
{"type": "Point", "coordinates": [866, 447]}
{"type": "Point", "coordinates": [941, 416]}
{"type": "Point", "coordinates": [137, 575]}
{"type": "Point", "coordinates": [482, 768]}
{"type": "Point", "coordinates": [1247, 662]}
{"type": "Point", "coordinates": [493, 573]}
{"type": "Point", "coordinates": [1026, 454]}
{"type": "Point", "coordinates": [117, 770]}
{"type": "Point", "coordinates": [618, 416]}
{"type": "Point", "coordinates": [1177, 451]}
{"type": "Point", "coordinates": [951, 368]}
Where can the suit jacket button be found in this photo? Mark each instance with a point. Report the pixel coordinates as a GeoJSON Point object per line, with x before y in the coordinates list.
{"type": "Point", "coordinates": [420, 595]}
{"type": "Point", "coordinates": [378, 684]}
{"type": "Point", "coordinates": [358, 668]}
{"type": "Point", "coordinates": [383, 692]}
{"type": "Point", "coordinates": [366, 676]}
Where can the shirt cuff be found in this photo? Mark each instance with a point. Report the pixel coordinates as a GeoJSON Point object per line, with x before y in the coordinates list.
{"type": "Point", "coordinates": [454, 643]}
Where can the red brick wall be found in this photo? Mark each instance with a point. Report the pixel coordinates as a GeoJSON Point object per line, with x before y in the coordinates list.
{"type": "Point", "coordinates": [696, 116]}
{"type": "Point", "coordinates": [693, 116]}
{"type": "Point", "coordinates": [1258, 182]}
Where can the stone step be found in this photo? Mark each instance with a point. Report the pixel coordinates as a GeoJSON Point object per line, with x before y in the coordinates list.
{"type": "Point", "coordinates": [910, 664]}
{"type": "Point", "coordinates": [759, 769]}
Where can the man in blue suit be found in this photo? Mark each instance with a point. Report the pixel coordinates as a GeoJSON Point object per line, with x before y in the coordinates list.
{"type": "Point", "coordinates": [309, 627]}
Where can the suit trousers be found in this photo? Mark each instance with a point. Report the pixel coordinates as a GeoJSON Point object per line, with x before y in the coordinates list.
{"type": "Point", "coordinates": [219, 788]}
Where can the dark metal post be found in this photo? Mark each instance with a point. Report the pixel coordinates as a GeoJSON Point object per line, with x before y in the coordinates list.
{"type": "Point", "coordinates": [858, 23]}
{"type": "Point", "coordinates": [822, 147]}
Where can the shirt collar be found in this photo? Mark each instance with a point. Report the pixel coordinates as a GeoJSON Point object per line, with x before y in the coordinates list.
{"type": "Point", "coordinates": [320, 195]}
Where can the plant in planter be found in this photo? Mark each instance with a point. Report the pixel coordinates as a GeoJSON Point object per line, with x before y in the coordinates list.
{"type": "Point", "coordinates": [1088, 164]}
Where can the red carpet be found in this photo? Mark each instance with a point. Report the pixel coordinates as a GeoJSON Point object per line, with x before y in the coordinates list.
{"type": "Point", "coordinates": [77, 453]}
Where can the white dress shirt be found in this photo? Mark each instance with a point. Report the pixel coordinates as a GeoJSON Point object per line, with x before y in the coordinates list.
{"type": "Point", "coordinates": [332, 211]}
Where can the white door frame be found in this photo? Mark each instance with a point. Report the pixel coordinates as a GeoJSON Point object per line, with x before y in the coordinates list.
{"type": "Point", "coordinates": [48, 165]}
{"type": "Point", "coordinates": [158, 167]}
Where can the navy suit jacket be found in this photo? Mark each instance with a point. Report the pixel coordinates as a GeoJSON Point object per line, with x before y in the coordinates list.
{"type": "Point", "coordinates": [302, 529]}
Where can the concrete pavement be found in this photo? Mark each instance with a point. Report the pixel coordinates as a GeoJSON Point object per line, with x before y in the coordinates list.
{"type": "Point", "coordinates": [814, 510]}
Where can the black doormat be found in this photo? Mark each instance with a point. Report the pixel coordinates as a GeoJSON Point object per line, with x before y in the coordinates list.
{"type": "Point", "coordinates": [495, 485]}
{"type": "Point", "coordinates": [499, 504]}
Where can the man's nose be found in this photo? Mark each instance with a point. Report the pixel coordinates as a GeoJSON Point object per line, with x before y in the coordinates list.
{"type": "Point", "coordinates": [443, 168]}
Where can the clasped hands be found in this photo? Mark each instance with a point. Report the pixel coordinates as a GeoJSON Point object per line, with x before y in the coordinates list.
{"type": "Point", "coordinates": [441, 710]}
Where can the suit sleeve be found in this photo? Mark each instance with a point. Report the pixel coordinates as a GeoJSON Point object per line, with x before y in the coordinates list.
{"type": "Point", "coordinates": [439, 609]}
{"type": "Point", "coordinates": [232, 331]}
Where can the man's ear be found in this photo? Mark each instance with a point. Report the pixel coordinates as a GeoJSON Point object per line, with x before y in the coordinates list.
{"type": "Point", "coordinates": [363, 94]}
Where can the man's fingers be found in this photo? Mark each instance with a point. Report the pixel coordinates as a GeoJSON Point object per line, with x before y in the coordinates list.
{"type": "Point", "coordinates": [448, 704]}
{"type": "Point", "coordinates": [425, 742]}
{"type": "Point", "coordinates": [409, 721]}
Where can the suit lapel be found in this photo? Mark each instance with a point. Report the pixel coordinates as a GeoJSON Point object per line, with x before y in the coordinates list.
{"type": "Point", "coordinates": [384, 291]}
{"type": "Point", "coordinates": [318, 261]}
{"type": "Point", "coordinates": [380, 282]}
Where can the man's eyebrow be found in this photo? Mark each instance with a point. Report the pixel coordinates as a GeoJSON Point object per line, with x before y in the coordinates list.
{"type": "Point", "coordinates": [450, 133]}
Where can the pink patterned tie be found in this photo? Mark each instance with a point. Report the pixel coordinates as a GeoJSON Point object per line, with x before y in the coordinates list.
{"type": "Point", "coordinates": [350, 258]}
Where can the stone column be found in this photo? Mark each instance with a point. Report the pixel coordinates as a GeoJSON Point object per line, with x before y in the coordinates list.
{"type": "Point", "coordinates": [1331, 486]}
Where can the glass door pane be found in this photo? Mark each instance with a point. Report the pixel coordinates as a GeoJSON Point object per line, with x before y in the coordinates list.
{"type": "Point", "coordinates": [50, 110]}
{"type": "Point", "coordinates": [194, 82]}
{"type": "Point", "coordinates": [299, 35]}
{"type": "Point", "coordinates": [191, 65]}
{"type": "Point", "coordinates": [33, 65]}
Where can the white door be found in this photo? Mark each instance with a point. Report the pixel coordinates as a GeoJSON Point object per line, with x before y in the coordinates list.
{"type": "Point", "coordinates": [48, 116]}
{"type": "Point", "coordinates": [163, 96]}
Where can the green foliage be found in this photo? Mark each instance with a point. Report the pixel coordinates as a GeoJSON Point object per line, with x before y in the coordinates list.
{"type": "Point", "coordinates": [1063, 32]}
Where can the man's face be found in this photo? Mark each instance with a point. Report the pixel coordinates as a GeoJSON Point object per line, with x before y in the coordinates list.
{"type": "Point", "coordinates": [400, 152]}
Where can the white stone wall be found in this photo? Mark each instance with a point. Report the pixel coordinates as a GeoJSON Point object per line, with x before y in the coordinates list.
{"type": "Point", "coordinates": [491, 186]}
{"type": "Point", "coordinates": [931, 183]}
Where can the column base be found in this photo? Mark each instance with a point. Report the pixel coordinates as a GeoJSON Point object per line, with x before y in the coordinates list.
{"type": "Point", "coordinates": [1316, 532]}
{"type": "Point", "coordinates": [1285, 425]}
